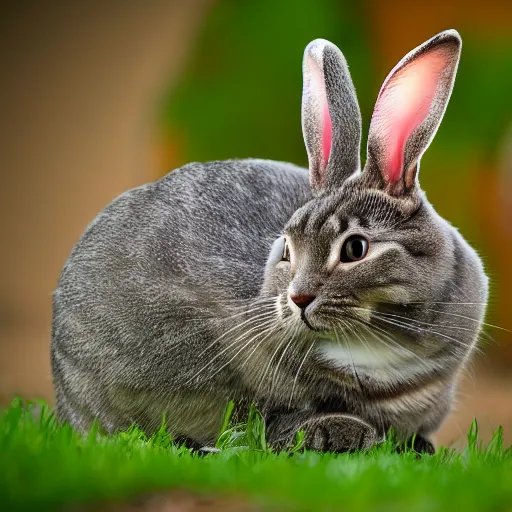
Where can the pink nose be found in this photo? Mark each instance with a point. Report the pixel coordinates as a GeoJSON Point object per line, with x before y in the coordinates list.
{"type": "Point", "coordinates": [303, 301]}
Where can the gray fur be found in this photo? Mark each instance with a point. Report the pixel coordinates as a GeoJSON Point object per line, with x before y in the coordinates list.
{"type": "Point", "coordinates": [344, 160]}
{"type": "Point", "coordinates": [175, 300]}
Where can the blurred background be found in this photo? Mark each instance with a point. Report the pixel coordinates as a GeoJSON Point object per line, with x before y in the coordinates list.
{"type": "Point", "coordinates": [97, 97]}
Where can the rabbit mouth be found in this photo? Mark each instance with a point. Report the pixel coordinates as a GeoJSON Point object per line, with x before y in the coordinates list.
{"type": "Point", "coordinates": [327, 317]}
{"type": "Point", "coordinates": [304, 318]}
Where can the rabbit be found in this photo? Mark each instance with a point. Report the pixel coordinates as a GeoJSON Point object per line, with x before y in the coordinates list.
{"type": "Point", "coordinates": [335, 299]}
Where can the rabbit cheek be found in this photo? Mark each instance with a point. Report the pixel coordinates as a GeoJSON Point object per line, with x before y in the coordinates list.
{"type": "Point", "coordinates": [276, 279]}
{"type": "Point", "coordinates": [282, 307]}
{"type": "Point", "coordinates": [394, 294]}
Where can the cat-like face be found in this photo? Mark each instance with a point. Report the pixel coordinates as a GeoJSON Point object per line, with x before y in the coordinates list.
{"type": "Point", "coordinates": [357, 252]}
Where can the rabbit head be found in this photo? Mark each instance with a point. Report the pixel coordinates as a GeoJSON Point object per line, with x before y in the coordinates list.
{"type": "Point", "coordinates": [368, 253]}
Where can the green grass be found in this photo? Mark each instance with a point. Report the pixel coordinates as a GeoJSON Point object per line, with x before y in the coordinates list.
{"type": "Point", "coordinates": [45, 466]}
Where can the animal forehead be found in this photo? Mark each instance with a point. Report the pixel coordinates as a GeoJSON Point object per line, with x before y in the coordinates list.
{"type": "Point", "coordinates": [335, 213]}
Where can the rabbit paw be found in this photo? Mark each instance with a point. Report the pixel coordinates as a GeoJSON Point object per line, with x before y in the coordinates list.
{"type": "Point", "coordinates": [339, 433]}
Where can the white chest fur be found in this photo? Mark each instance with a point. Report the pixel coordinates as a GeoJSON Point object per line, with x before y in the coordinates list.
{"type": "Point", "coordinates": [374, 359]}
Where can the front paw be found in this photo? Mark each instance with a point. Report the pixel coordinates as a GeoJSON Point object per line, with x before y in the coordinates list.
{"type": "Point", "coordinates": [339, 433]}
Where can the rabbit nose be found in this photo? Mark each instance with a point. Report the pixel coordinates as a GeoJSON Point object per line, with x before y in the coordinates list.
{"type": "Point", "coordinates": [303, 301]}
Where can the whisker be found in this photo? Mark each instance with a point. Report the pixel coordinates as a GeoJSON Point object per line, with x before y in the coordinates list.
{"type": "Point", "coordinates": [279, 363]}
{"type": "Point", "coordinates": [238, 352]}
{"type": "Point", "coordinates": [451, 303]}
{"type": "Point", "coordinates": [347, 344]}
{"type": "Point", "coordinates": [254, 318]}
{"type": "Point", "coordinates": [394, 346]}
{"type": "Point", "coordinates": [232, 344]}
{"type": "Point", "coordinates": [421, 330]}
{"type": "Point", "coordinates": [298, 371]}
{"type": "Point", "coordinates": [364, 342]}
{"type": "Point", "coordinates": [269, 364]}
{"type": "Point", "coordinates": [443, 326]}
{"type": "Point", "coordinates": [256, 305]}
{"type": "Point", "coordinates": [241, 302]}
{"type": "Point", "coordinates": [472, 319]}
{"type": "Point", "coordinates": [245, 311]}
{"type": "Point", "coordinates": [258, 345]}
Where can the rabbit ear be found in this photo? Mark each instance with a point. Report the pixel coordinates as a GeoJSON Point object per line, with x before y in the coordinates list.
{"type": "Point", "coordinates": [409, 109]}
{"type": "Point", "coordinates": [331, 121]}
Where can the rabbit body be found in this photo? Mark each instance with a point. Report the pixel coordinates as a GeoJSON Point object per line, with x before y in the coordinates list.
{"type": "Point", "coordinates": [336, 299]}
{"type": "Point", "coordinates": [127, 330]}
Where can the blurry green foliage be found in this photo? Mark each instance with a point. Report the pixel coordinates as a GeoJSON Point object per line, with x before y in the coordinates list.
{"type": "Point", "coordinates": [241, 93]}
{"type": "Point", "coordinates": [480, 110]}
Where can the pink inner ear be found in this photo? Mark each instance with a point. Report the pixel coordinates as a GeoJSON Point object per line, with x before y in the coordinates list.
{"type": "Point", "coordinates": [322, 112]}
{"type": "Point", "coordinates": [326, 134]}
{"type": "Point", "coordinates": [403, 104]}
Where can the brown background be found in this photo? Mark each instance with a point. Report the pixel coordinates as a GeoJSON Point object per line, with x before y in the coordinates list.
{"type": "Point", "coordinates": [78, 89]}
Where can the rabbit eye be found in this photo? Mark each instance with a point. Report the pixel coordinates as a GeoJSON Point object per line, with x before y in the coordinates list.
{"type": "Point", "coordinates": [355, 248]}
{"type": "Point", "coordinates": [286, 252]}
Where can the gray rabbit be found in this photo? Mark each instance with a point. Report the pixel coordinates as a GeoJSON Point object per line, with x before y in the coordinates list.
{"type": "Point", "coordinates": [336, 300]}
